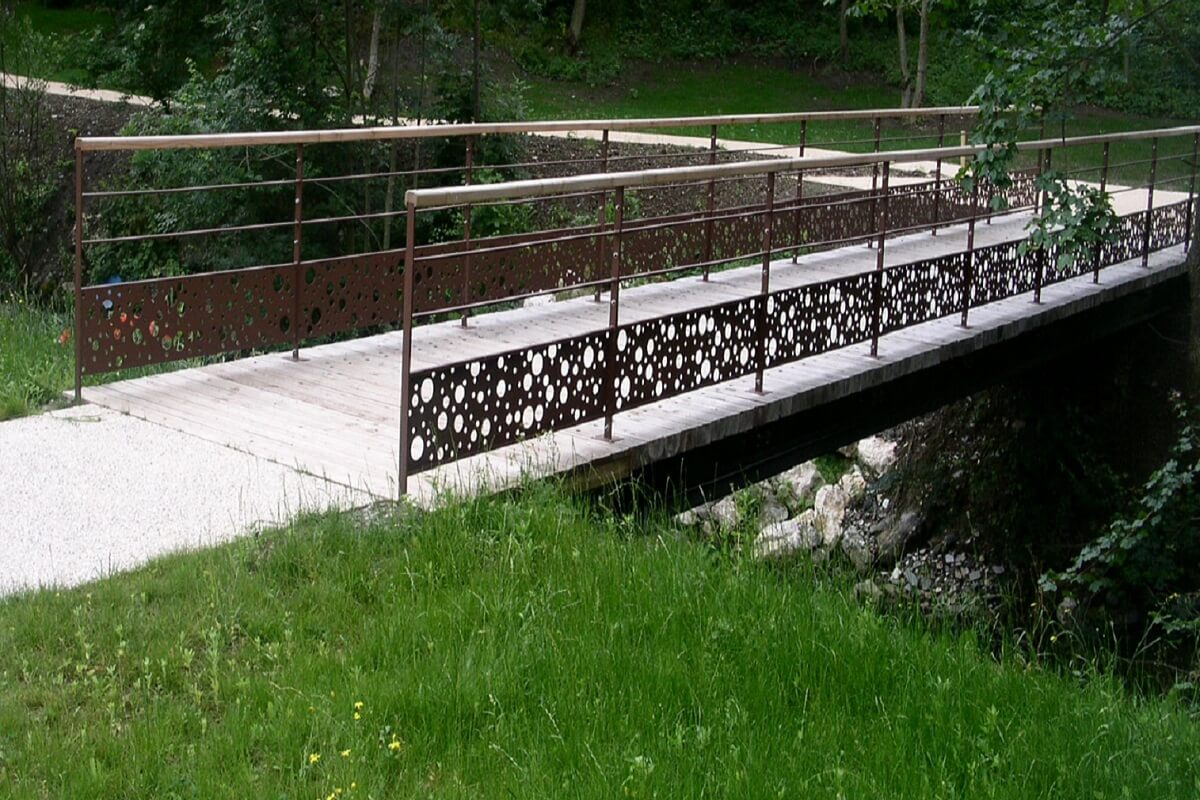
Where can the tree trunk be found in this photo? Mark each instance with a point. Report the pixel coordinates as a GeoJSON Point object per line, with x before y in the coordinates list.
{"type": "Point", "coordinates": [902, 41]}
{"type": "Point", "coordinates": [476, 109]}
{"type": "Point", "coordinates": [575, 32]}
{"type": "Point", "coordinates": [922, 57]}
{"type": "Point", "coordinates": [844, 31]}
{"type": "Point", "coordinates": [373, 55]}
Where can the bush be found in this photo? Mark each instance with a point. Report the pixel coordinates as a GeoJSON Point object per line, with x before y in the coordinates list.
{"type": "Point", "coordinates": [1139, 577]}
{"type": "Point", "coordinates": [29, 164]}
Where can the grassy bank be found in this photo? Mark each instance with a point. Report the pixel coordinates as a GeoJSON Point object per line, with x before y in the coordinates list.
{"type": "Point", "coordinates": [36, 364]}
{"type": "Point", "coordinates": [525, 648]}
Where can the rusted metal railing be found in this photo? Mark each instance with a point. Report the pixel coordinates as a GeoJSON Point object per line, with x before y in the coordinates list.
{"type": "Point", "coordinates": [281, 303]}
{"type": "Point", "coordinates": [452, 410]}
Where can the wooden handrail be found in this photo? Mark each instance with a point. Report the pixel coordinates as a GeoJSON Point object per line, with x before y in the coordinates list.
{"type": "Point", "coordinates": [459, 195]}
{"type": "Point", "coordinates": [384, 133]}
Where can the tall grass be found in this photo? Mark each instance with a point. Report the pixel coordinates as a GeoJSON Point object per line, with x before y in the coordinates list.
{"type": "Point", "coordinates": [35, 365]}
{"type": "Point", "coordinates": [524, 647]}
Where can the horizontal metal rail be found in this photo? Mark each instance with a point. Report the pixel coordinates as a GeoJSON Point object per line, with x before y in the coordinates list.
{"type": "Point", "coordinates": [462, 195]}
{"type": "Point", "coordinates": [388, 133]}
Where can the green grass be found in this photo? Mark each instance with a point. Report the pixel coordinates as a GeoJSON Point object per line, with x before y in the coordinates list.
{"type": "Point", "coordinates": [524, 648]}
{"type": "Point", "coordinates": [675, 90]}
{"type": "Point", "coordinates": [35, 368]}
{"type": "Point", "coordinates": [671, 89]}
{"type": "Point", "coordinates": [64, 26]}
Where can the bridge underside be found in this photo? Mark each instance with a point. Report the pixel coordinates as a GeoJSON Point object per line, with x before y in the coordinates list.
{"type": "Point", "coordinates": [335, 413]}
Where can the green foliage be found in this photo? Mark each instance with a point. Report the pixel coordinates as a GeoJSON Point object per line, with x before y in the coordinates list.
{"type": "Point", "coordinates": [30, 161]}
{"type": "Point", "coordinates": [154, 45]}
{"type": "Point", "coordinates": [1078, 221]}
{"type": "Point", "coordinates": [1150, 552]}
{"type": "Point", "coordinates": [36, 357]}
{"type": "Point", "coordinates": [525, 646]}
{"type": "Point", "coordinates": [1043, 60]}
{"type": "Point", "coordinates": [1139, 576]}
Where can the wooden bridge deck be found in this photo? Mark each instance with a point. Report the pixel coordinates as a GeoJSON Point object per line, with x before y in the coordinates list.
{"type": "Point", "coordinates": [336, 412]}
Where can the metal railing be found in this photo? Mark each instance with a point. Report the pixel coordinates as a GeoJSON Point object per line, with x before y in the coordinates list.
{"type": "Point", "coordinates": [459, 409]}
{"type": "Point", "coordinates": [298, 297]}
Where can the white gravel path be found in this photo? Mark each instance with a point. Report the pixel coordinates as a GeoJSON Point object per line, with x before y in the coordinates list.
{"type": "Point", "coordinates": [87, 491]}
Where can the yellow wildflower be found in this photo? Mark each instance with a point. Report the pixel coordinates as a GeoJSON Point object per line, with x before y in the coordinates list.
{"type": "Point", "coordinates": [394, 745]}
{"type": "Point", "coordinates": [346, 753]}
{"type": "Point", "coordinates": [314, 758]}
{"type": "Point", "coordinates": [358, 706]}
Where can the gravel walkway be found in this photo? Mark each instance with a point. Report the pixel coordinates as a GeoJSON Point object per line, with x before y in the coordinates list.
{"type": "Point", "coordinates": [86, 491]}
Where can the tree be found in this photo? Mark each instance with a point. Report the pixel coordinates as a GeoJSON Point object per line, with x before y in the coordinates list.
{"type": "Point", "coordinates": [29, 161]}
{"type": "Point", "coordinates": [1045, 58]}
{"type": "Point", "coordinates": [844, 32]}
{"type": "Point", "coordinates": [912, 93]}
{"type": "Point", "coordinates": [575, 29]}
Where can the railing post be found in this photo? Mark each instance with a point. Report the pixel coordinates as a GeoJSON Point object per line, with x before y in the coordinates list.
{"type": "Point", "coordinates": [78, 274]}
{"type": "Point", "coordinates": [712, 203]}
{"type": "Point", "coordinates": [614, 313]}
{"type": "Point", "coordinates": [875, 178]}
{"type": "Point", "coordinates": [760, 328]}
{"type": "Point", "coordinates": [410, 235]}
{"type": "Point", "coordinates": [937, 180]}
{"type": "Point", "coordinates": [1150, 202]}
{"type": "Point", "coordinates": [877, 284]}
{"type": "Point", "coordinates": [969, 267]}
{"type": "Point", "coordinates": [1103, 190]}
{"type": "Point", "coordinates": [297, 240]}
{"type": "Point", "coordinates": [466, 284]}
{"type": "Point", "coordinates": [1190, 222]}
{"type": "Point", "coordinates": [602, 211]}
{"type": "Point", "coordinates": [1039, 276]}
{"type": "Point", "coordinates": [799, 192]}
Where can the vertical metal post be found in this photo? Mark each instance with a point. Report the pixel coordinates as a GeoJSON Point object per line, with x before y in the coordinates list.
{"type": "Point", "coordinates": [760, 328]}
{"type": "Point", "coordinates": [78, 274]}
{"type": "Point", "coordinates": [1103, 190]}
{"type": "Point", "coordinates": [410, 235]}
{"type": "Point", "coordinates": [712, 203]}
{"type": "Point", "coordinates": [1189, 223]}
{"type": "Point", "coordinates": [614, 313]}
{"type": "Point", "coordinates": [466, 284]}
{"type": "Point", "coordinates": [1150, 202]}
{"type": "Point", "coordinates": [601, 212]}
{"type": "Point", "coordinates": [1039, 276]}
{"type": "Point", "coordinates": [877, 284]}
{"type": "Point", "coordinates": [875, 178]}
{"type": "Point", "coordinates": [937, 180]}
{"type": "Point", "coordinates": [875, 166]}
{"type": "Point", "coordinates": [297, 241]}
{"type": "Point", "coordinates": [799, 192]}
{"type": "Point", "coordinates": [969, 267]}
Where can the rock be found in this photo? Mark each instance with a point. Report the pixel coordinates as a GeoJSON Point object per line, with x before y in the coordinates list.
{"type": "Point", "coordinates": [830, 512]}
{"type": "Point", "coordinates": [893, 536]}
{"type": "Point", "coordinates": [876, 454]}
{"type": "Point", "coordinates": [726, 513]}
{"type": "Point", "coordinates": [771, 511]}
{"type": "Point", "coordinates": [867, 590]}
{"type": "Point", "coordinates": [788, 536]}
{"type": "Point", "coordinates": [857, 546]}
{"type": "Point", "coordinates": [800, 482]}
{"type": "Point", "coordinates": [854, 484]}
{"type": "Point", "coordinates": [692, 517]}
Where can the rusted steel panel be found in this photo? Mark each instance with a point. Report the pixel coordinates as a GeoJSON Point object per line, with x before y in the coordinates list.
{"type": "Point", "coordinates": [149, 322]}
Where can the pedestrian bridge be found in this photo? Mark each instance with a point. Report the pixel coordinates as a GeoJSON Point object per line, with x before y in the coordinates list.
{"type": "Point", "coordinates": [641, 313]}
